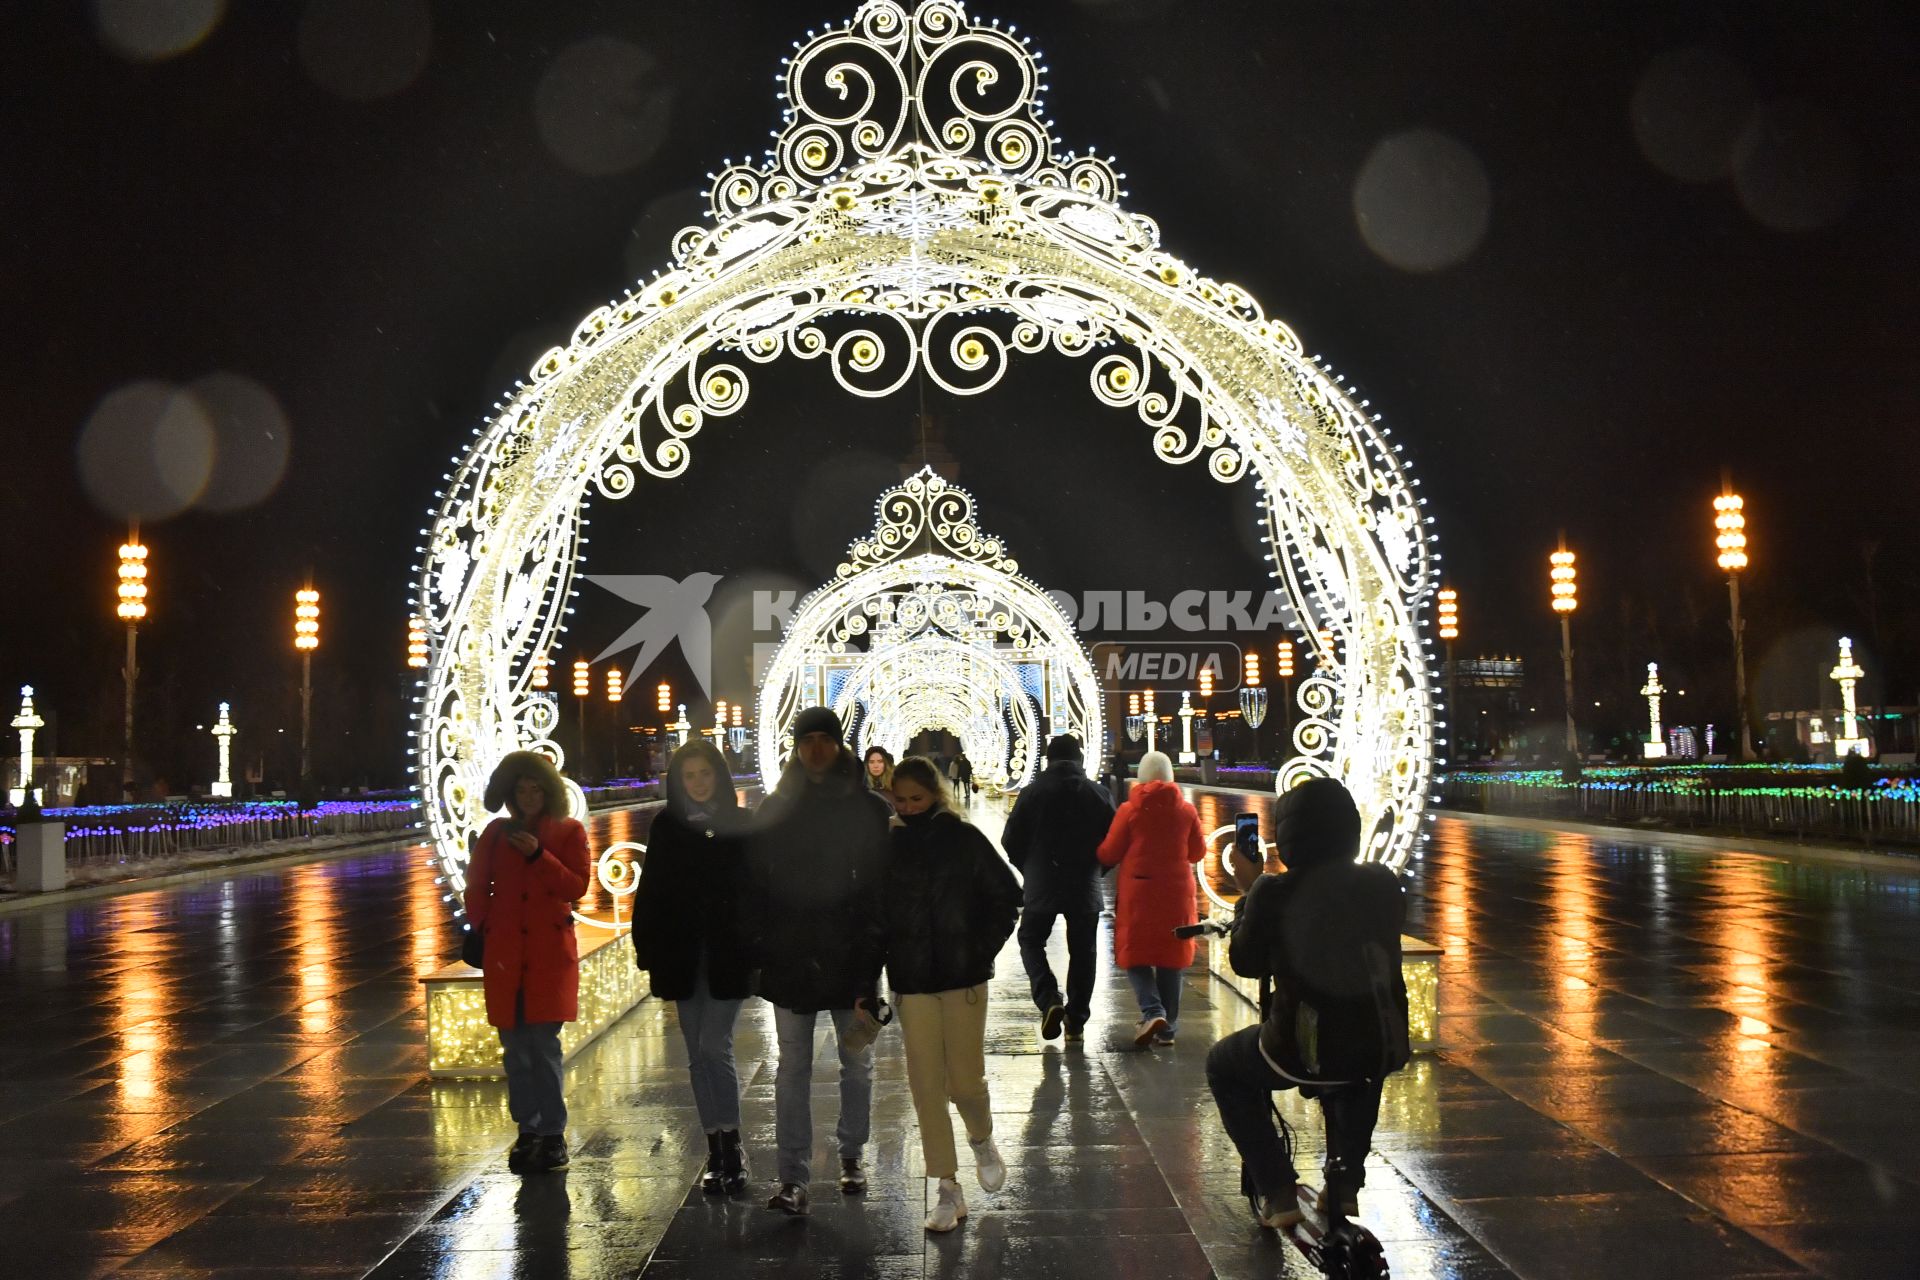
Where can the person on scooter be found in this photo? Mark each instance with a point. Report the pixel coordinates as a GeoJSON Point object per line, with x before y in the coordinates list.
{"type": "Point", "coordinates": [1324, 939]}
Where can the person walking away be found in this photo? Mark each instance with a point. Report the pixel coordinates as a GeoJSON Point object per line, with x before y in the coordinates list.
{"type": "Point", "coordinates": [1053, 836]}
{"type": "Point", "coordinates": [686, 936]}
{"type": "Point", "coordinates": [963, 774]}
{"type": "Point", "coordinates": [950, 905]}
{"type": "Point", "coordinates": [527, 871]}
{"type": "Point", "coordinates": [879, 773]}
{"type": "Point", "coordinates": [1324, 939]}
{"type": "Point", "coordinates": [816, 868]}
{"type": "Point", "coordinates": [1155, 843]}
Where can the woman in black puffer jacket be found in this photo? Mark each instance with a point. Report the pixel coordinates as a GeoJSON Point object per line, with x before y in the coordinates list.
{"type": "Point", "coordinates": [950, 905]}
{"type": "Point", "coordinates": [686, 936]}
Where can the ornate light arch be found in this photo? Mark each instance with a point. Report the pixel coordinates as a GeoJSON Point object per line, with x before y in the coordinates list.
{"type": "Point", "coordinates": [916, 211]}
{"type": "Point", "coordinates": [929, 618]}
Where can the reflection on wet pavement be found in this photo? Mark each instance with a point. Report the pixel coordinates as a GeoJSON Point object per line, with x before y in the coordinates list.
{"type": "Point", "coordinates": [1653, 1062]}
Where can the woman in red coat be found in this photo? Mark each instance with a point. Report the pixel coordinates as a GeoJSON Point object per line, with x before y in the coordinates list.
{"type": "Point", "coordinates": [1155, 840]}
{"type": "Point", "coordinates": [527, 871]}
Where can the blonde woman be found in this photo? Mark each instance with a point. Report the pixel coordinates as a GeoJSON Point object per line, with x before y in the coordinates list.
{"type": "Point", "coordinates": [950, 905]}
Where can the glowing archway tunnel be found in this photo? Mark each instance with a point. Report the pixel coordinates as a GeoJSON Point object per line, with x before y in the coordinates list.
{"type": "Point", "coordinates": [915, 212]}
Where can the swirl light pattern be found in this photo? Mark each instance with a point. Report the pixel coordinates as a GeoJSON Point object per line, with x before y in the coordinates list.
{"type": "Point", "coordinates": [915, 212]}
{"type": "Point", "coordinates": [929, 624]}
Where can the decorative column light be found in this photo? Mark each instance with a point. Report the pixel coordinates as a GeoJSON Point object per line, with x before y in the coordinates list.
{"type": "Point", "coordinates": [26, 722]}
{"type": "Point", "coordinates": [306, 638]}
{"type": "Point", "coordinates": [582, 696]}
{"type": "Point", "coordinates": [416, 643]}
{"type": "Point", "coordinates": [1566, 598]}
{"type": "Point", "coordinates": [1449, 628]}
{"type": "Point", "coordinates": [223, 731]}
{"type": "Point", "coordinates": [1153, 719]}
{"type": "Point", "coordinates": [1655, 747]}
{"type": "Point", "coordinates": [1187, 755]}
{"type": "Point", "coordinates": [1283, 659]}
{"type": "Point", "coordinates": [132, 608]}
{"type": "Point", "coordinates": [738, 734]}
{"type": "Point", "coordinates": [616, 687]}
{"type": "Point", "coordinates": [1730, 538]}
{"type": "Point", "coordinates": [1206, 691]}
{"type": "Point", "coordinates": [720, 723]}
{"type": "Point", "coordinates": [682, 727]}
{"type": "Point", "coordinates": [1253, 699]}
{"type": "Point", "coordinates": [1849, 741]}
{"type": "Point", "coordinates": [1136, 725]}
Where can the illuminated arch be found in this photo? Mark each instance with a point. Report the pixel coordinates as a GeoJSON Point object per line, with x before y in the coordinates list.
{"type": "Point", "coordinates": [928, 619]}
{"type": "Point", "coordinates": [916, 212]}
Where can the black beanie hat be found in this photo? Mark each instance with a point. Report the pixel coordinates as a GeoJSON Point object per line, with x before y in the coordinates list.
{"type": "Point", "coordinates": [1063, 747]}
{"type": "Point", "coordinates": [817, 720]}
{"type": "Point", "coordinates": [1317, 822]}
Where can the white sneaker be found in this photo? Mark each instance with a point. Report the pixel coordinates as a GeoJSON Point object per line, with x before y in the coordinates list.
{"type": "Point", "coordinates": [1146, 1029]}
{"type": "Point", "coordinates": [988, 1167]}
{"type": "Point", "coordinates": [949, 1208]}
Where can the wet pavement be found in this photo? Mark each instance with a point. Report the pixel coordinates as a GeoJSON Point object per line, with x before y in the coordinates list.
{"type": "Point", "coordinates": [1654, 1063]}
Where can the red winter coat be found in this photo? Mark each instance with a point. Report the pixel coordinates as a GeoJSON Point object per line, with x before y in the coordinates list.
{"type": "Point", "coordinates": [1155, 841]}
{"type": "Point", "coordinates": [525, 908]}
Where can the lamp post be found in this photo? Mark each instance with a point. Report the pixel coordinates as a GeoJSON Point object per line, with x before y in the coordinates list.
{"type": "Point", "coordinates": [1655, 747]}
{"type": "Point", "coordinates": [306, 638]}
{"type": "Point", "coordinates": [26, 722]}
{"type": "Point", "coordinates": [682, 727]}
{"type": "Point", "coordinates": [1849, 741]}
{"type": "Point", "coordinates": [131, 609]}
{"type": "Point", "coordinates": [582, 695]}
{"type": "Point", "coordinates": [541, 681]}
{"type": "Point", "coordinates": [1206, 698]}
{"type": "Point", "coordinates": [1135, 725]}
{"type": "Point", "coordinates": [1187, 755]}
{"type": "Point", "coordinates": [223, 731]}
{"type": "Point", "coordinates": [416, 643]}
{"type": "Point", "coordinates": [1730, 524]}
{"type": "Point", "coordinates": [616, 691]}
{"type": "Point", "coordinates": [1253, 699]}
{"type": "Point", "coordinates": [738, 735]}
{"type": "Point", "coordinates": [1564, 577]}
{"type": "Point", "coordinates": [720, 724]}
{"type": "Point", "coordinates": [1449, 632]}
{"type": "Point", "coordinates": [1283, 667]}
{"type": "Point", "coordinates": [1153, 718]}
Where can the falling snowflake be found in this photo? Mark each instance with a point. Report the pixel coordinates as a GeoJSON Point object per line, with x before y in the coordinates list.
{"type": "Point", "coordinates": [1287, 433]}
{"type": "Point", "coordinates": [915, 216]}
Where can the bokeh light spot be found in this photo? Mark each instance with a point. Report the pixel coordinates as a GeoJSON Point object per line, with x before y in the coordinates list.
{"type": "Point", "coordinates": [251, 440]}
{"type": "Point", "coordinates": [363, 50]}
{"type": "Point", "coordinates": [146, 451]}
{"type": "Point", "coordinates": [1422, 200]}
{"type": "Point", "coordinates": [154, 30]}
{"type": "Point", "coordinates": [1689, 110]}
{"type": "Point", "coordinates": [1796, 167]}
{"type": "Point", "coordinates": [597, 109]}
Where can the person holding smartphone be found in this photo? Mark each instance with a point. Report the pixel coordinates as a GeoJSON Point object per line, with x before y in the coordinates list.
{"type": "Point", "coordinates": [527, 871]}
{"type": "Point", "coordinates": [1154, 843]}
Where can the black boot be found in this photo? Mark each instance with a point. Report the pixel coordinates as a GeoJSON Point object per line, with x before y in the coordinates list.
{"type": "Point", "coordinates": [733, 1163]}
{"type": "Point", "coordinates": [712, 1182]}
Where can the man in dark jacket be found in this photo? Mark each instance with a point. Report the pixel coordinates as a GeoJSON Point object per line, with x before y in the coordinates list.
{"type": "Point", "coordinates": [1324, 938]}
{"type": "Point", "coordinates": [811, 918]}
{"type": "Point", "coordinates": [1052, 836]}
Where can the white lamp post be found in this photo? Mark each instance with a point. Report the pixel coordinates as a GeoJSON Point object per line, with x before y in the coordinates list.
{"type": "Point", "coordinates": [682, 727]}
{"type": "Point", "coordinates": [1153, 721]}
{"type": "Point", "coordinates": [1655, 747]}
{"type": "Point", "coordinates": [1849, 741]}
{"type": "Point", "coordinates": [223, 732]}
{"type": "Point", "coordinates": [26, 722]}
{"type": "Point", "coordinates": [1187, 755]}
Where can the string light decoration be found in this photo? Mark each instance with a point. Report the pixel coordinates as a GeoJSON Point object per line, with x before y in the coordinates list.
{"type": "Point", "coordinates": [417, 643]}
{"type": "Point", "coordinates": [913, 213]}
{"type": "Point", "coordinates": [996, 662]}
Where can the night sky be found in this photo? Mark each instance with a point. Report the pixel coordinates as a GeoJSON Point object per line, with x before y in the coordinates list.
{"type": "Point", "coordinates": [1699, 251]}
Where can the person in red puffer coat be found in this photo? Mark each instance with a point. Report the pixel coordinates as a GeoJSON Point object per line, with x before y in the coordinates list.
{"type": "Point", "coordinates": [527, 871]}
{"type": "Point", "coordinates": [1155, 841]}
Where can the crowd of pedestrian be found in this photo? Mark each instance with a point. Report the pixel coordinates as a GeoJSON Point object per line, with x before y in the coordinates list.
{"type": "Point", "coordinates": [855, 868]}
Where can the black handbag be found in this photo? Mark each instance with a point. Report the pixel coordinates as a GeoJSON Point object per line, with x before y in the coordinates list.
{"type": "Point", "coordinates": [473, 947]}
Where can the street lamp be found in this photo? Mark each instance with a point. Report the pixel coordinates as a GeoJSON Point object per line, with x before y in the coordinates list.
{"type": "Point", "coordinates": [1450, 631]}
{"type": "Point", "coordinates": [1566, 599]}
{"type": "Point", "coordinates": [1206, 690]}
{"type": "Point", "coordinates": [1849, 741]}
{"type": "Point", "coordinates": [26, 722]}
{"type": "Point", "coordinates": [1730, 537]}
{"type": "Point", "coordinates": [132, 608]}
{"type": "Point", "coordinates": [582, 695]}
{"type": "Point", "coordinates": [1283, 667]}
{"type": "Point", "coordinates": [1187, 755]}
{"type": "Point", "coordinates": [720, 723]}
{"type": "Point", "coordinates": [1655, 747]}
{"type": "Point", "coordinates": [540, 680]}
{"type": "Point", "coordinates": [306, 638]}
{"type": "Point", "coordinates": [682, 727]}
{"type": "Point", "coordinates": [1153, 718]}
{"type": "Point", "coordinates": [1136, 726]}
{"type": "Point", "coordinates": [1253, 699]}
{"type": "Point", "coordinates": [616, 690]}
{"type": "Point", "coordinates": [223, 731]}
{"type": "Point", "coordinates": [416, 643]}
{"type": "Point", "coordinates": [664, 698]}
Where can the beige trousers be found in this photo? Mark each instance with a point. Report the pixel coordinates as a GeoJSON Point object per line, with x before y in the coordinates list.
{"type": "Point", "coordinates": [945, 1037]}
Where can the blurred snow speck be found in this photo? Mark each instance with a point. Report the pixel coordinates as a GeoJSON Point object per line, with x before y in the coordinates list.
{"type": "Point", "coordinates": [1422, 200]}
{"type": "Point", "coordinates": [251, 440]}
{"type": "Point", "coordinates": [1796, 167]}
{"type": "Point", "coordinates": [152, 30]}
{"type": "Point", "coordinates": [1689, 110]}
{"type": "Point", "coordinates": [363, 50]}
{"type": "Point", "coordinates": [146, 451]}
{"type": "Point", "coordinates": [597, 108]}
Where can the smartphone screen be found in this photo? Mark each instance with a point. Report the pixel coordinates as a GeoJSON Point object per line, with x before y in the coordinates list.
{"type": "Point", "coordinates": [1246, 837]}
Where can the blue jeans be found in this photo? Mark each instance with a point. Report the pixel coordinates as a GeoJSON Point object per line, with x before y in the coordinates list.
{"type": "Point", "coordinates": [793, 1093]}
{"type": "Point", "coordinates": [1243, 1083]}
{"type": "Point", "coordinates": [707, 1025]}
{"type": "Point", "coordinates": [1158, 991]}
{"type": "Point", "coordinates": [530, 1053]}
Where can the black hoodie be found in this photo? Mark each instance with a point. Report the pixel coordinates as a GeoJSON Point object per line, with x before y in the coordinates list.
{"type": "Point", "coordinates": [686, 907]}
